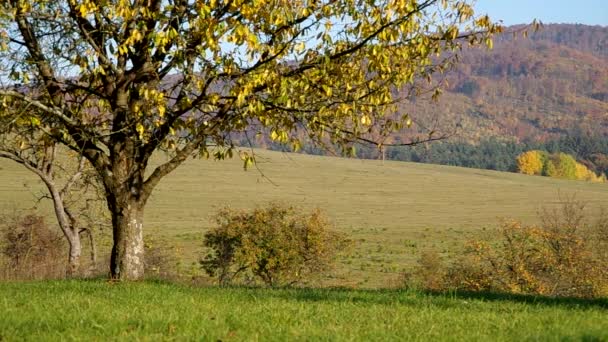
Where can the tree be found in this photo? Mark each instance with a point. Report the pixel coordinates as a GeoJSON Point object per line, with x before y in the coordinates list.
{"type": "Point", "coordinates": [24, 142]}
{"type": "Point", "coordinates": [121, 79]}
{"type": "Point", "coordinates": [530, 162]}
{"type": "Point", "coordinates": [565, 166]}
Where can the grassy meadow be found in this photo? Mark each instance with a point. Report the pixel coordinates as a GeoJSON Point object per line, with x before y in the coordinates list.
{"type": "Point", "coordinates": [392, 210]}
{"type": "Point", "coordinates": [98, 311]}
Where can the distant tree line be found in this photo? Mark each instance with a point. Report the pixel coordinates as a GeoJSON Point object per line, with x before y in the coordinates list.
{"type": "Point", "coordinates": [590, 150]}
{"type": "Point", "coordinates": [556, 165]}
{"type": "Point", "coordinates": [492, 153]}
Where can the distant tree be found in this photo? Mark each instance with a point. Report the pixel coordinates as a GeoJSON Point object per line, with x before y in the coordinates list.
{"type": "Point", "coordinates": [122, 79]}
{"type": "Point", "coordinates": [530, 162]}
{"type": "Point", "coordinates": [583, 173]}
{"type": "Point", "coordinates": [560, 165]}
{"type": "Point", "coordinates": [549, 168]}
{"type": "Point", "coordinates": [565, 166]}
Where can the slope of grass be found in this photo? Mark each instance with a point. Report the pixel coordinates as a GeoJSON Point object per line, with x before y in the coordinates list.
{"type": "Point", "coordinates": [92, 310]}
{"type": "Point", "coordinates": [391, 210]}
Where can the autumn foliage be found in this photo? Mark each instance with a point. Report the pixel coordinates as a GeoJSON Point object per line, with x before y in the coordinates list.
{"type": "Point", "coordinates": [530, 163]}
{"type": "Point", "coordinates": [276, 245]}
{"type": "Point", "coordinates": [565, 255]}
{"type": "Point", "coordinates": [117, 81]}
{"type": "Point", "coordinates": [557, 165]}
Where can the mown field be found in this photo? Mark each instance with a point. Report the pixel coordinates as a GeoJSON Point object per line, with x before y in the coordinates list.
{"type": "Point", "coordinates": [97, 310]}
{"type": "Point", "coordinates": [391, 210]}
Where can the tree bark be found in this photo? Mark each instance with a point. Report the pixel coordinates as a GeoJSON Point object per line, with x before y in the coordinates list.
{"type": "Point", "coordinates": [74, 256]}
{"type": "Point", "coordinates": [127, 260]}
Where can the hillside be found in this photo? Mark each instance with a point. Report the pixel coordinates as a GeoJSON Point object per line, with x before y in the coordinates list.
{"type": "Point", "coordinates": [539, 87]}
{"type": "Point", "coordinates": [533, 88]}
{"type": "Point", "coordinates": [392, 210]}
{"type": "Point", "coordinates": [547, 91]}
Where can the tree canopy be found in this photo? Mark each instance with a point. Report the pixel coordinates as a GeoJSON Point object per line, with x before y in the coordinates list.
{"type": "Point", "coordinates": [117, 80]}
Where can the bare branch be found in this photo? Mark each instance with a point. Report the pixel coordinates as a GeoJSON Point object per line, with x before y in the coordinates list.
{"type": "Point", "coordinates": [74, 178]}
{"type": "Point", "coordinates": [28, 164]}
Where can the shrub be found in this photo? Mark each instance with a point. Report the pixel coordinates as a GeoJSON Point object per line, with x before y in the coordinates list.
{"type": "Point", "coordinates": [517, 264]}
{"type": "Point", "coordinates": [31, 249]}
{"type": "Point", "coordinates": [566, 255]}
{"type": "Point", "coordinates": [275, 245]}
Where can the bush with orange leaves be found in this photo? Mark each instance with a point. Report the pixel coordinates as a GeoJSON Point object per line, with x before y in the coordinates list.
{"type": "Point", "coordinates": [564, 256]}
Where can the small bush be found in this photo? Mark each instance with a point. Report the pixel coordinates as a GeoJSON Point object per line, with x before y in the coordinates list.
{"type": "Point", "coordinates": [275, 245]}
{"type": "Point", "coordinates": [31, 249]}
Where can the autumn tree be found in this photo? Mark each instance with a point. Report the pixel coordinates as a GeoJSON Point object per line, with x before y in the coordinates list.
{"type": "Point", "coordinates": [121, 79]}
{"type": "Point", "coordinates": [531, 162]}
{"type": "Point", "coordinates": [24, 141]}
{"type": "Point", "coordinates": [561, 165]}
{"type": "Point", "coordinates": [583, 173]}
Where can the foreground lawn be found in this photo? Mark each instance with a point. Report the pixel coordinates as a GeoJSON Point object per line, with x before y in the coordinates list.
{"type": "Point", "coordinates": [96, 310]}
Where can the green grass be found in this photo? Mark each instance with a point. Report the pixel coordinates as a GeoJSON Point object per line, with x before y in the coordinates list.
{"type": "Point", "coordinates": [392, 210]}
{"type": "Point", "coordinates": [92, 310]}
{"type": "Point", "coordinates": [95, 310]}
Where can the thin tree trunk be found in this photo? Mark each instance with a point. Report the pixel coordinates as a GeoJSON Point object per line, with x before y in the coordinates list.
{"type": "Point", "coordinates": [127, 260]}
{"type": "Point", "coordinates": [70, 232]}
{"type": "Point", "coordinates": [74, 255]}
{"type": "Point", "coordinates": [93, 249]}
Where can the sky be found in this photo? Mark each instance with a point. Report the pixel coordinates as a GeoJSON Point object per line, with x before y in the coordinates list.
{"type": "Point", "coordinates": [589, 12]}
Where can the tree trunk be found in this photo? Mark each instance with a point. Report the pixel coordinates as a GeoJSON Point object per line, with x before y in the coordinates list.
{"type": "Point", "coordinates": [67, 227]}
{"type": "Point", "coordinates": [74, 255]}
{"type": "Point", "coordinates": [93, 248]}
{"type": "Point", "coordinates": [127, 260]}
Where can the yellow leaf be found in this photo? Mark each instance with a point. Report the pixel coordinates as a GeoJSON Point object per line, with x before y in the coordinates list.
{"type": "Point", "coordinates": [489, 43]}
{"type": "Point", "coordinates": [366, 120]}
{"type": "Point", "coordinates": [274, 135]}
{"type": "Point", "coordinates": [140, 130]}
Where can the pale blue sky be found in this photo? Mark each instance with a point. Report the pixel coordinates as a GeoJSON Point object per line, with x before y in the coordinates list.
{"type": "Point", "coordinates": [590, 12]}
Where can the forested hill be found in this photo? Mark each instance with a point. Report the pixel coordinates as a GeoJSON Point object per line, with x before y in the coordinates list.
{"type": "Point", "coordinates": [537, 88]}
{"type": "Point", "coordinates": [548, 90]}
